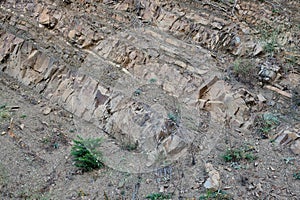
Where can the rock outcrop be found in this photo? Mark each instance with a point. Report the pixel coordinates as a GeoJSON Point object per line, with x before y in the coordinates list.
{"type": "Point", "coordinates": [134, 68]}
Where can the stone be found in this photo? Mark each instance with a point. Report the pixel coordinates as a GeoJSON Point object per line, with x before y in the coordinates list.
{"type": "Point", "coordinates": [217, 97]}
{"type": "Point", "coordinates": [286, 137]}
{"type": "Point", "coordinates": [174, 145]}
{"type": "Point", "coordinates": [267, 75]}
{"type": "Point", "coordinates": [44, 17]}
{"type": "Point", "coordinates": [261, 98]}
{"type": "Point", "coordinates": [72, 34]}
{"type": "Point", "coordinates": [213, 181]}
{"type": "Point", "coordinates": [21, 126]}
{"type": "Point", "coordinates": [47, 20]}
{"type": "Point", "coordinates": [161, 189]}
{"type": "Point", "coordinates": [46, 110]}
{"type": "Point", "coordinates": [258, 49]}
{"type": "Point", "coordinates": [296, 147]}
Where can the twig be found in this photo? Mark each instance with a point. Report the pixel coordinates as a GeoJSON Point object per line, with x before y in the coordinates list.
{"type": "Point", "coordinates": [136, 189]}
{"type": "Point", "coordinates": [105, 196]}
{"type": "Point", "coordinates": [284, 93]}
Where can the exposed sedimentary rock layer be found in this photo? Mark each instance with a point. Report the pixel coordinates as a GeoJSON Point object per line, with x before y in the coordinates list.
{"type": "Point", "coordinates": [135, 68]}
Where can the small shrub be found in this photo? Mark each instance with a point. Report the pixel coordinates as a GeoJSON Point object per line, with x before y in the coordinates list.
{"type": "Point", "coordinates": [4, 113]}
{"type": "Point", "coordinates": [85, 155]}
{"type": "Point", "coordinates": [269, 37]}
{"type": "Point", "coordinates": [244, 70]}
{"type": "Point", "coordinates": [270, 46]}
{"type": "Point", "coordinates": [129, 146]}
{"type": "Point", "coordinates": [159, 196]}
{"type": "Point", "coordinates": [23, 116]}
{"type": "Point", "coordinates": [215, 195]}
{"type": "Point", "coordinates": [266, 123]}
{"type": "Point", "coordinates": [296, 175]}
{"type": "Point", "coordinates": [137, 92]}
{"type": "Point", "coordinates": [153, 80]}
{"type": "Point", "coordinates": [173, 117]}
{"type": "Point", "coordinates": [235, 155]}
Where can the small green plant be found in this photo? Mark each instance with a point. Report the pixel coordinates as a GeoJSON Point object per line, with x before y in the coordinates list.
{"type": "Point", "coordinates": [241, 67]}
{"type": "Point", "coordinates": [266, 123]}
{"type": "Point", "coordinates": [129, 146]}
{"type": "Point", "coordinates": [173, 117]}
{"type": "Point", "coordinates": [159, 196]}
{"type": "Point", "coordinates": [4, 113]}
{"type": "Point", "coordinates": [244, 70]}
{"type": "Point", "coordinates": [296, 175]}
{"type": "Point", "coordinates": [270, 45]}
{"type": "Point", "coordinates": [81, 193]}
{"type": "Point", "coordinates": [235, 155]}
{"type": "Point", "coordinates": [269, 37]}
{"type": "Point", "coordinates": [289, 160]}
{"type": "Point", "coordinates": [23, 116]}
{"type": "Point", "coordinates": [137, 92]}
{"type": "Point", "coordinates": [85, 155]}
{"type": "Point", "coordinates": [215, 195]}
{"type": "Point", "coordinates": [152, 80]}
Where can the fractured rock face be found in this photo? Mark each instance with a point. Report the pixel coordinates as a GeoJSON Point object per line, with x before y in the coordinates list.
{"type": "Point", "coordinates": [134, 70]}
{"type": "Point", "coordinates": [222, 102]}
{"type": "Point", "coordinates": [47, 20]}
{"type": "Point", "coordinates": [152, 119]}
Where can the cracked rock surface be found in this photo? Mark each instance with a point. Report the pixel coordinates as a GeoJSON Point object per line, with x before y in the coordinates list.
{"type": "Point", "coordinates": [164, 82]}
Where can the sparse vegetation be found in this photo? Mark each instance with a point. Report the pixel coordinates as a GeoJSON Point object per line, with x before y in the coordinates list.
{"type": "Point", "coordinates": [4, 113]}
{"type": "Point", "coordinates": [23, 116]}
{"type": "Point", "coordinates": [215, 195]}
{"type": "Point", "coordinates": [85, 155]}
{"type": "Point", "coordinates": [269, 37]}
{"type": "Point", "coordinates": [173, 86]}
{"type": "Point", "coordinates": [159, 196]}
{"type": "Point", "coordinates": [129, 146]}
{"type": "Point", "coordinates": [244, 70]}
{"type": "Point", "coordinates": [289, 160]}
{"type": "Point", "coordinates": [137, 92]}
{"type": "Point", "coordinates": [238, 154]}
{"type": "Point", "coordinates": [296, 175]}
{"type": "Point", "coordinates": [266, 123]}
{"type": "Point", "coordinates": [153, 80]}
{"type": "Point", "coordinates": [173, 117]}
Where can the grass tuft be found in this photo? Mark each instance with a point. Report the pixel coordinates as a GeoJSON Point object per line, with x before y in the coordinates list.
{"type": "Point", "coordinates": [215, 195]}
{"type": "Point", "coordinates": [296, 175]}
{"type": "Point", "coordinates": [159, 196]}
{"type": "Point", "coordinates": [244, 70]}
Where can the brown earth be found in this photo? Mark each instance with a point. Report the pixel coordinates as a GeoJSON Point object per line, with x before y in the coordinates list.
{"type": "Point", "coordinates": [182, 81]}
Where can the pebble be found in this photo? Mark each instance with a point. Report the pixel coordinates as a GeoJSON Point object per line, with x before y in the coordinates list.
{"type": "Point", "coordinates": [296, 147]}
{"type": "Point", "coordinates": [47, 110]}
{"type": "Point", "coordinates": [148, 181]}
{"type": "Point", "coordinates": [161, 189]}
{"type": "Point", "coordinates": [21, 126]}
{"type": "Point", "coordinates": [261, 98]}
